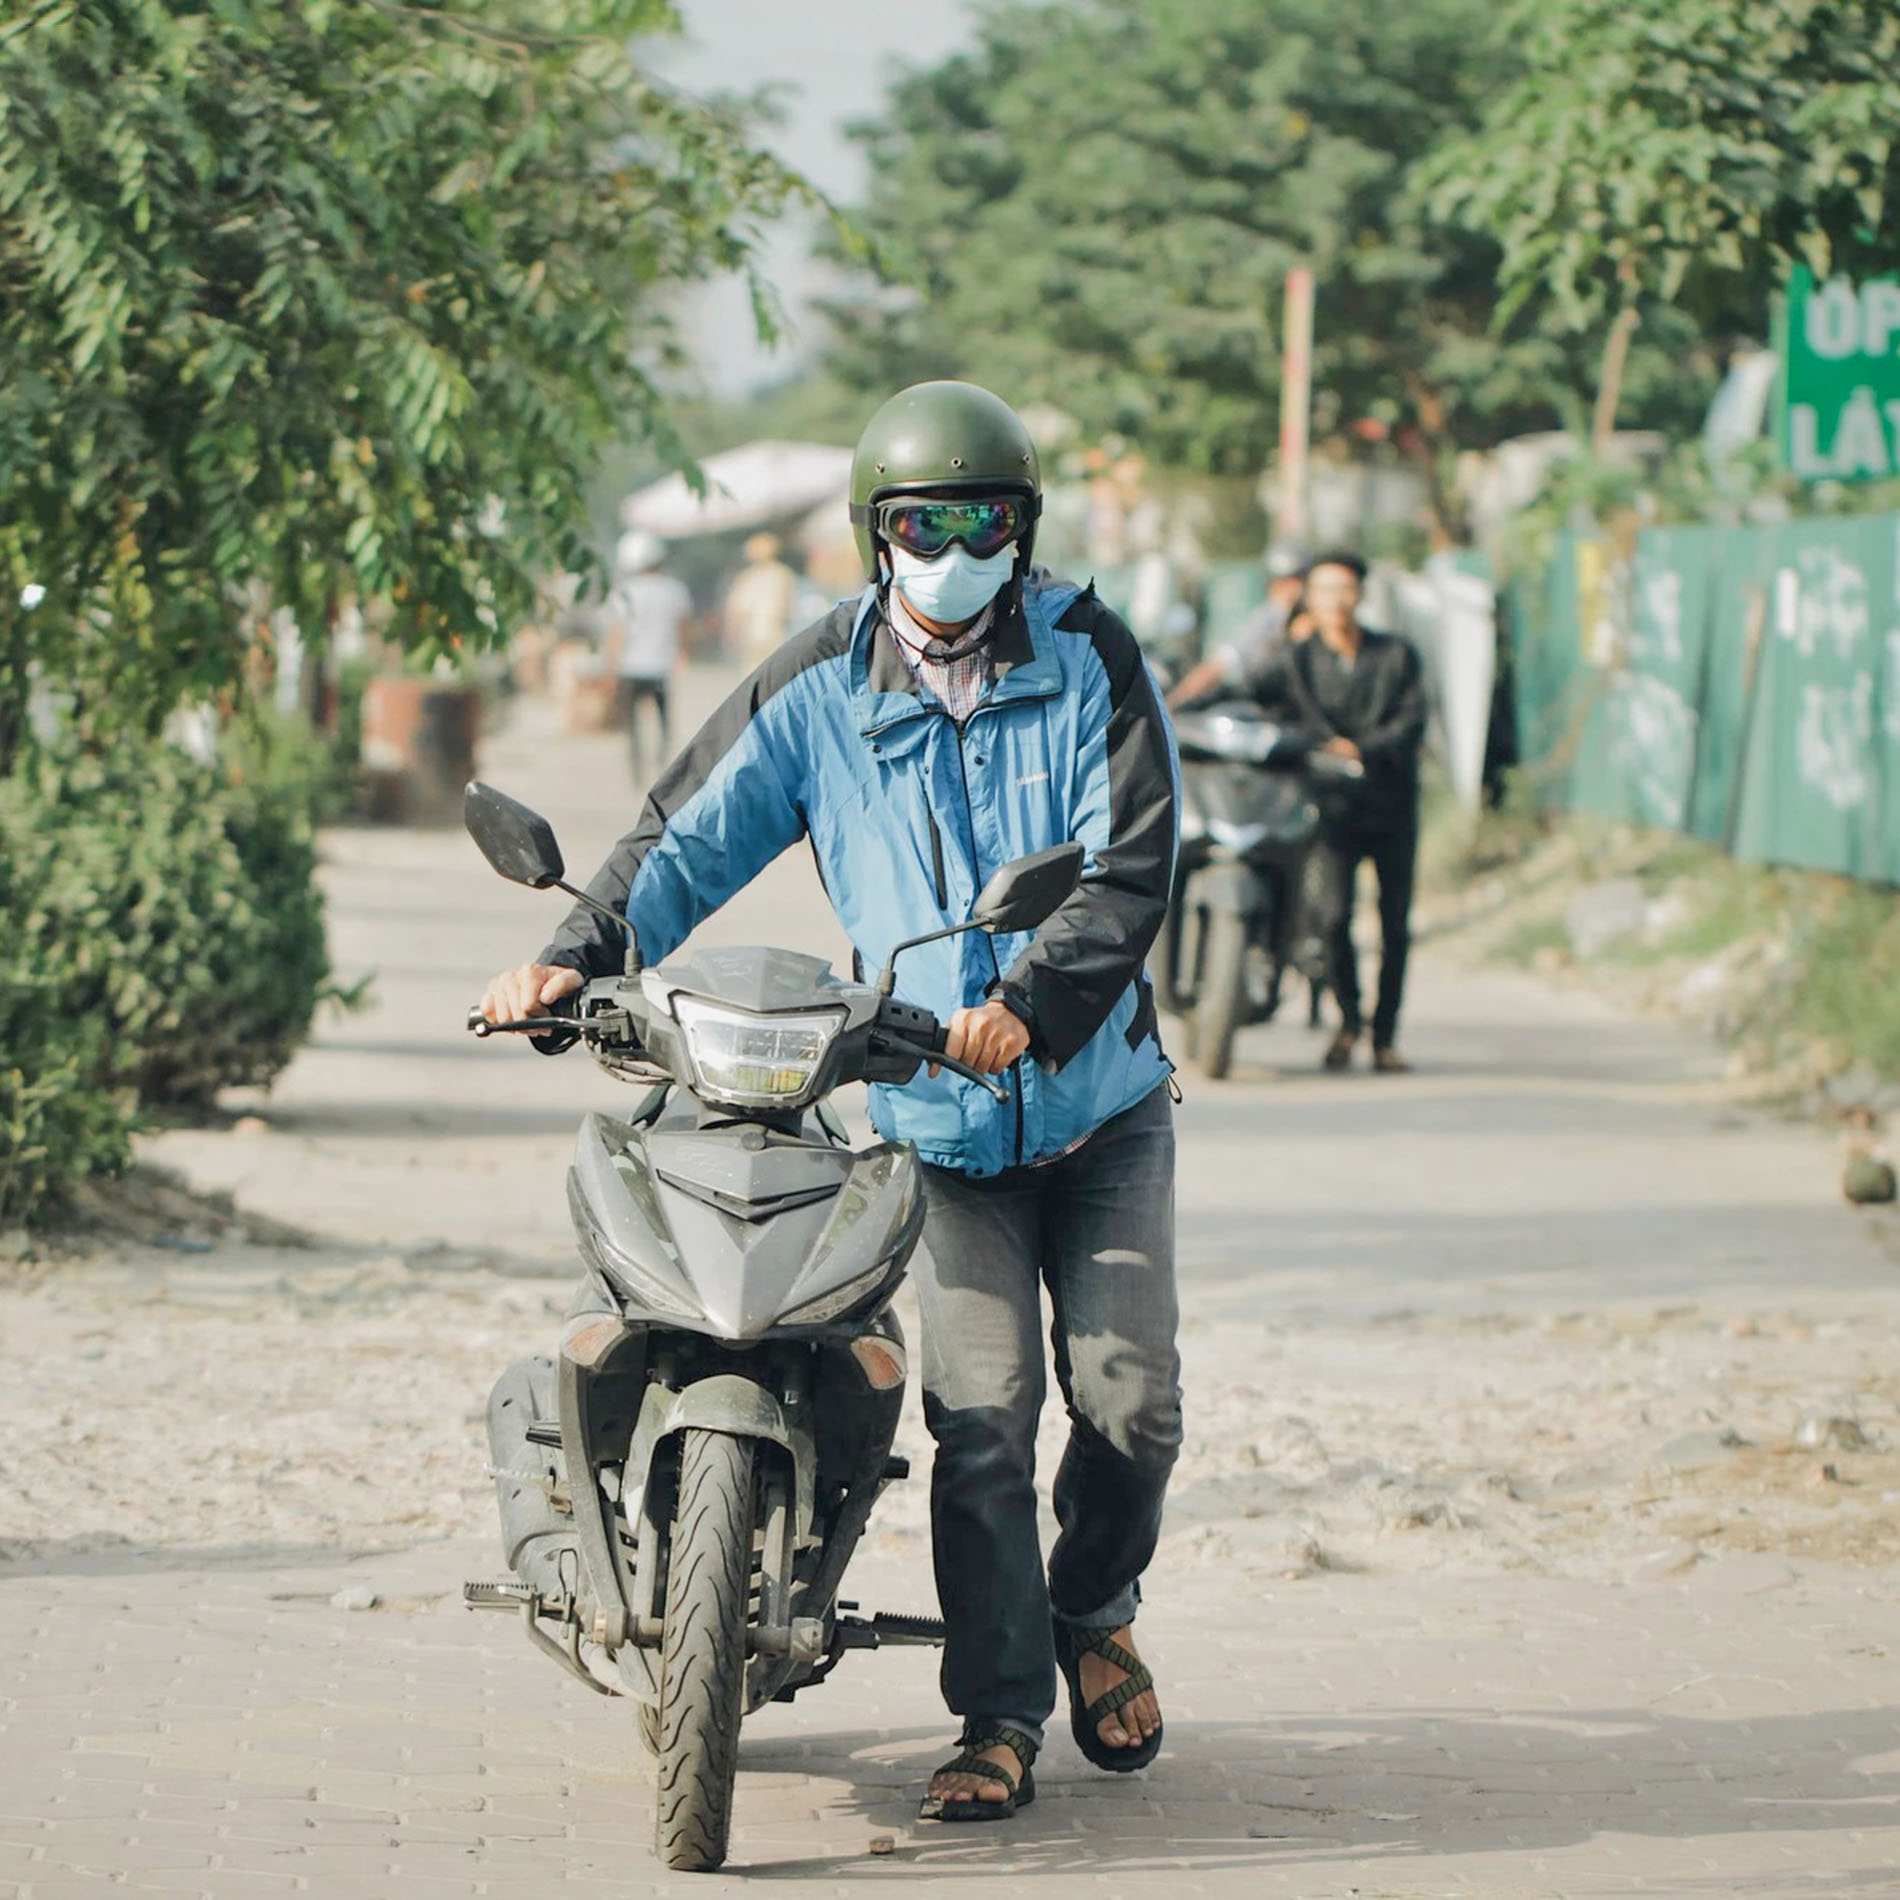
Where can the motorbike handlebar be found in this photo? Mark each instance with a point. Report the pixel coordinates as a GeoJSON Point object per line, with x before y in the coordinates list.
{"type": "Point", "coordinates": [913, 1032]}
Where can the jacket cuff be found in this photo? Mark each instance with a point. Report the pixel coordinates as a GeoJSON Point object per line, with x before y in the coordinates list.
{"type": "Point", "coordinates": [1016, 1000]}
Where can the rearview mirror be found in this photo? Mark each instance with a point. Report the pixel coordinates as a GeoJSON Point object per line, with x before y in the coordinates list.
{"type": "Point", "coordinates": [519, 843]}
{"type": "Point", "coordinates": [1026, 891]}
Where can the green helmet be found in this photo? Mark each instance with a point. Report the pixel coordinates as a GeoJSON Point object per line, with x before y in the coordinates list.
{"type": "Point", "coordinates": [951, 437]}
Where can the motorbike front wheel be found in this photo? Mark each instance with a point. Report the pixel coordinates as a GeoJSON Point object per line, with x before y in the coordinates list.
{"type": "Point", "coordinates": [1223, 994]}
{"type": "Point", "coordinates": [702, 1650]}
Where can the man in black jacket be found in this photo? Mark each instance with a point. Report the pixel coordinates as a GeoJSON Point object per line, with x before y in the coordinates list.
{"type": "Point", "coordinates": [1360, 695]}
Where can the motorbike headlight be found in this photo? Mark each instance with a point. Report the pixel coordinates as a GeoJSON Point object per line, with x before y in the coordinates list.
{"type": "Point", "coordinates": [839, 1299]}
{"type": "Point", "coordinates": [755, 1061]}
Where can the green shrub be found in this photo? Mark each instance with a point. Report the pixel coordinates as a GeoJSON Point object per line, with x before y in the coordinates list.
{"type": "Point", "coordinates": [161, 937]}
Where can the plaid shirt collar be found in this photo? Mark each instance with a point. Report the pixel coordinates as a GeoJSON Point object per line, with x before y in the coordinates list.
{"type": "Point", "coordinates": [956, 681]}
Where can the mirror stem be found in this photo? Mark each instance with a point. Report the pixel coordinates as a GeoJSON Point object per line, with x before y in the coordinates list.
{"type": "Point", "coordinates": [632, 965]}
{"type": "Point", "coordinates": [887, 977]}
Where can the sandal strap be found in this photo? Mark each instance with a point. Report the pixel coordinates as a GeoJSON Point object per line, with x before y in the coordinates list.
{"type": "Point", "coordinates": [970, 1762]}
{"type": "Point", "coordinates": [1138, 1679]}
{"type": "Point", "coordinates": [1118, 1697]}
{"type": "Point", "coordinates": [1014, 1739]}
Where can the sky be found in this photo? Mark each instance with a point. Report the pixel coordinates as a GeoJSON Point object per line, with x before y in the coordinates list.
{"type": "Point", "coordinates": [830, 61]}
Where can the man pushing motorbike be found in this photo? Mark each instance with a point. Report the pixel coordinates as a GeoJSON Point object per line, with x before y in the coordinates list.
{"type": "Point", "coordinates": [965, 710]}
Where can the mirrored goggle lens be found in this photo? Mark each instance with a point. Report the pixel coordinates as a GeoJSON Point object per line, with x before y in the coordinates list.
{"type": "Point", "coordinates": [928, 527]}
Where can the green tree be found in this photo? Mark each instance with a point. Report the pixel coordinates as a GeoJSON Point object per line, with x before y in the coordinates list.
{"type": "Point", "coordinates": [1679, 153]}
{"type": "Point", "coordinates": [1097, 205]}
{"type": "Point", "coordinates": [328, 299]}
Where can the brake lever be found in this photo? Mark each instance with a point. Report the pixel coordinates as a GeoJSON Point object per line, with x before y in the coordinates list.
{"type": "Point", "coordinates": [938, 1059]}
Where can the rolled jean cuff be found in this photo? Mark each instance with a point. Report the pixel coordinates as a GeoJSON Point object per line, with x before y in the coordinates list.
{"type": "Point", "coordinates": [1119, 1609]}
{"type": "Point", "coordinates": [989, 1724]}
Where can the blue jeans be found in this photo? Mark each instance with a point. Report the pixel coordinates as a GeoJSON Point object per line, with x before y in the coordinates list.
{"type": "Point", "coordinates": [1097, 1227]}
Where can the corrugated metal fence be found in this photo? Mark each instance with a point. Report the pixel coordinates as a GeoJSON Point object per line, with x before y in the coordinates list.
{"type": "Point", "coordinates": [1738, 684]}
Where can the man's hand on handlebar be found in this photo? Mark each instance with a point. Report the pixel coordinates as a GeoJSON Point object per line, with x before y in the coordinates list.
{"type": "Point", "coordinates": [988, 1039]}
{"type": "Point", "coordinates": [527, 991]}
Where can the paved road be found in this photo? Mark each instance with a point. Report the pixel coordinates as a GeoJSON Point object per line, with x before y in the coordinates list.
{"type": "Point", "coordinates": [185, 1721]}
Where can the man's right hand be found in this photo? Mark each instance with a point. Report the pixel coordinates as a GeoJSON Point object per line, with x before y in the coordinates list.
{"type": "Point", "coordinates": [517, 994]}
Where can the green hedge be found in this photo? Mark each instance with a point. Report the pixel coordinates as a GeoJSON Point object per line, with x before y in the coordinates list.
{"type": "Point", "coordinates": [161, 937]}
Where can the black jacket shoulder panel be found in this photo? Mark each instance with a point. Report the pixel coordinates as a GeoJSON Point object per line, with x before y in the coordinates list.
{"type": "Point", "coordinates": [1115, 646]}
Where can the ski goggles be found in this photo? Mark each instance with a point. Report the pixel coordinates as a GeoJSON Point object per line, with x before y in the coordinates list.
{"type": "Point", "coordinates": [926, 528]}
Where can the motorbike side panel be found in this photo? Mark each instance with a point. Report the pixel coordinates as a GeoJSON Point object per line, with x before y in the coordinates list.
{"type": "Point", "coordinates": [620, 1200]}
{"type": "Point", "coordinates": [537, 1540]}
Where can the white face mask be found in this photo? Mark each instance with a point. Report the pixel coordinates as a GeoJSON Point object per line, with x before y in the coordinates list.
{"type": "Point", "coordinates": [956, 585]}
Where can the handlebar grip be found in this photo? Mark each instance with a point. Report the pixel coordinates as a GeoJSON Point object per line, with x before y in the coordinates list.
{"type": "Point", "coordinates": [563, 1007]}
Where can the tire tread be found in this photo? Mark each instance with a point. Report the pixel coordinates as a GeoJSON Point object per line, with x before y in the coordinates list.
{"type": "Point", "coordinates": [702, 1658]}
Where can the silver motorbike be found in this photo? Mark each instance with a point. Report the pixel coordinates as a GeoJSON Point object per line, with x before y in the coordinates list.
{"type": "Point", "coordinates": [684, 1481]}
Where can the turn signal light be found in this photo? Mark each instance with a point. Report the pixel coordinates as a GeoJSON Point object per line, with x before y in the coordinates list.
{"type": "Point", "coordinates": [880, 1360]}
{"type": "Point", "coordinates": [590, 1337]}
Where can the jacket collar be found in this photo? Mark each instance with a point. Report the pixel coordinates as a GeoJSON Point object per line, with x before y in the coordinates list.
{"type": "Point", "coordinates": [884, 690]}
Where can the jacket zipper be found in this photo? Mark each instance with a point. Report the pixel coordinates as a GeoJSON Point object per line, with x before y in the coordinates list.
{"type": "Point", "coordinates": [936, 862]}
{"type": "Point", "coordinates": [969, 810]}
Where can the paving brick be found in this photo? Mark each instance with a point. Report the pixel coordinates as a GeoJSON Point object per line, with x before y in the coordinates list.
{"type": "Point", "coordinates": [218, 1883]}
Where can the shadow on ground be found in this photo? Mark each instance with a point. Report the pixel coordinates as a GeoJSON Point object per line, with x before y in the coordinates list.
{"type": "Point", "coordinates": [1389, 1786]}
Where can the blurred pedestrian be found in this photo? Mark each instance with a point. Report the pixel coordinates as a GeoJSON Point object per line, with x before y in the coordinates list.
{"type": "Point", "coordinates": [759, 603]}
{"type": "Point", "coordinates": [1359, 695]}
{"type": "Point", "coordinates": [1260, 635]}
{"type": "Point", "coordinates": [647, 612]}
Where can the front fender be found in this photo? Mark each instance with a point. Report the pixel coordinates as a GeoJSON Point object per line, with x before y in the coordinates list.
{"type": "Point", "coordinates": [740, 1407]}
{"type": "Point", "coordinates": [1231, 885]}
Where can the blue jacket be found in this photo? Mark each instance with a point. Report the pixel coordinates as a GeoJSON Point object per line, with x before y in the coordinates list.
{"type": "Point", "coordinates": [908, 816]}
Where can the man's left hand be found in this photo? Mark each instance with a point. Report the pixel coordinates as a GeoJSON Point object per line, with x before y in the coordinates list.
{"type": "Point", "coordinates": [1341, 748]}
{"type": "Point", "coordinates": [988, 1039]}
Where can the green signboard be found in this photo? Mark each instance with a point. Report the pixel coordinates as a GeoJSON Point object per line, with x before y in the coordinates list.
{"type": "Point", "coordinates": [1840, 354]}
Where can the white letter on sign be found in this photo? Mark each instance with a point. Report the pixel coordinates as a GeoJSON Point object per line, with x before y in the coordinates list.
{"type": "Point", "coordinates": [1860, 444]}
{"type": "Point", "coordinates": [1879, 317]}
{"type": "Point", "coordinates": [1804, 443]}
{"type": "Point", "coordinates": [1833, 320]}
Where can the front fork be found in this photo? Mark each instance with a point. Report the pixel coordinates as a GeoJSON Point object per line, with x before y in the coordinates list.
{"type": "Point", "coordinates": [824, 1434]}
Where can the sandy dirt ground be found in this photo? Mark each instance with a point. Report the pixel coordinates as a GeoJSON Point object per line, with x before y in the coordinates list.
{"type": "Point", "coordinates": [1555, 1307]}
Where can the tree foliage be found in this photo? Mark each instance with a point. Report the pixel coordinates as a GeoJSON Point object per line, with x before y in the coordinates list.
{"type": "Point", "coordinates": [1685, 151]}
{"type": "Point", "coordinates": [1098, 205]}
{"type": "Point", "coordinates": [327, 299]}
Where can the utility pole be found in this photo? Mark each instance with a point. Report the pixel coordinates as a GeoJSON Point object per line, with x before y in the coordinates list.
{"type": "Point", "coordinates": [1296, 402]}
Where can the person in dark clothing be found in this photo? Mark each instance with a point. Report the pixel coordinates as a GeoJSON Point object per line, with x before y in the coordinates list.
{"type": "Point", "coordinates": [1360, 695]}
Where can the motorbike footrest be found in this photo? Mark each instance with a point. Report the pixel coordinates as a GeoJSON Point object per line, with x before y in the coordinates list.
{"type": "Point", "coordinates": [893, 1627]}
{"type": "Point", "coordinates": [496, 1596]}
